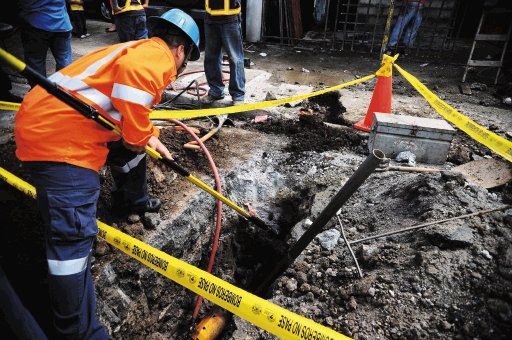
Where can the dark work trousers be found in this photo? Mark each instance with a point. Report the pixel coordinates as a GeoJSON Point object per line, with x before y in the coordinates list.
{"type": "Point", "coordinates": [12, 310]}
{"type": "Point", "coordinates": [79, 23]}
{"type": "Point", "coordinates": [128, 169]}
{"type": "Point", "coordinates": [36, 43]}
{"type": "Point", "coordinates": [67, 197]}
{"type": "Point", "coordinates": [131, 27]}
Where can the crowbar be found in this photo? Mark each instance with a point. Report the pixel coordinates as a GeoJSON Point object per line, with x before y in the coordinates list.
{"type": "Point", "coordinates": [90, 112]}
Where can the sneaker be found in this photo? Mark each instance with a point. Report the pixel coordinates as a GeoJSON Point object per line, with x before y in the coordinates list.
{"type": "Point", "coordinates": [87, 35]}
{"type": "Point", "coordinates": [237, 102]}
{"type": "Point", "coordinates": [210, 99]}
{"type": "Point", "coordinates": [83, 36]}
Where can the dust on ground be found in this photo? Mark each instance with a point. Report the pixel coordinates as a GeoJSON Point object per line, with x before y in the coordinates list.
{"type": "Point", "coordinates": [451, 280]}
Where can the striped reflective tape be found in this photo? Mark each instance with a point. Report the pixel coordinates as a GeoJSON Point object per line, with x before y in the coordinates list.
{"type": "Point", "coordinates": [132, 94]}
{"type": "Point", "coordinates": [67, 267]}
{"type": "Point", "coordinates": [128, 165]}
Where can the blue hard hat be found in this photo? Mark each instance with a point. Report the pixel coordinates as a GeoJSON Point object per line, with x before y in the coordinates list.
{"type": "Point", "coordinates": [185, 23]}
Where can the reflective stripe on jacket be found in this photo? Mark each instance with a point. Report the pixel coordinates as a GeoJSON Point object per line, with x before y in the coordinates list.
{"type": "Point", "coordinates": [222, 7]}
{"type": "Point", "coordinates": [122, 81]}
{"type": "Point", "coordinates": [129, 5]}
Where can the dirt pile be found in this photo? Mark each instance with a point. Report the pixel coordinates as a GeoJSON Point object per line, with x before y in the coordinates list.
{"type": "Point", "coordinates": [451, 280]}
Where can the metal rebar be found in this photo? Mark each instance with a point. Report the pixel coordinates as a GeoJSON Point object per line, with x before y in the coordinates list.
{"type": "Point", "coordinates": [268, 273]}
{"type": "Point", "coordinates": [335, 28]}
{"type": "Point", "coordinates": [327, 18]}
{"type": "Point", "coordinates": [483, 212]}
{"type": "Point", "coordinates": [348, 245]}
{"type": "Point", "coordinates": [281, 35]}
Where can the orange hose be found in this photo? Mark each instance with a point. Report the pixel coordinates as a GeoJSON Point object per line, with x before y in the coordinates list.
{"type": "Point", "coordinates": [219, 209]}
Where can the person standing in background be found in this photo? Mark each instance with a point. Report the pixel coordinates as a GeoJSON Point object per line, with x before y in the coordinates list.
{"type": "Point", "coordinates": [46, 26]}
{"type": "Point", "coordinates": [409, 22]}
{"type": "Point", "coordinates": [223, 30]}
{"type": "Point", "coordinates": [130, 19]}
{"type": "Point", "coordinates": [78, 18]}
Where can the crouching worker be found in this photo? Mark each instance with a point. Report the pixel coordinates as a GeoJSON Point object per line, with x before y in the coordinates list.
{"type": "Point", "coordinates": [64, 151]}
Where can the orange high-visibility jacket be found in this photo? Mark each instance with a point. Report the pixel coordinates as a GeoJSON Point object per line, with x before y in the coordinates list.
{"type": "Point", "coordinates": [122, 81]}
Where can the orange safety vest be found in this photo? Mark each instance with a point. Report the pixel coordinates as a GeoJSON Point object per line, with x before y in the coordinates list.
{"type": "Point", "coordinates": [222, 7]}
{"type": "Point", "coordinates": [128, 6]}
{"type": "Point", "coordinates": [122, 81]}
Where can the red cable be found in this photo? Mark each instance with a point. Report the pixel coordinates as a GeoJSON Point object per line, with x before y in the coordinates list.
{"type": "Point", "coordinates": [199, 85]}
{"type": "Point", "coordinates": [219, 208]}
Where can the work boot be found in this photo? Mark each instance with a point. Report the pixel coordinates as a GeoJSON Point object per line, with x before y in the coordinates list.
{"type": "Point", "coordinates": [152, 205]}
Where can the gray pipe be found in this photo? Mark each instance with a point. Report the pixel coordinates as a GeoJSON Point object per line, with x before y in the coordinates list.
{"type": "Point", "coordinates": [269, 273]}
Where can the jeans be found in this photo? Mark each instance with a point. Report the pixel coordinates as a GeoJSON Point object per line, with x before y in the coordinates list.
{"type": "Point", "coordinates": [131, 27]}
{"type": "Point", "coordinates": [67, 197]}
{"type": "Point", "coordinates": [229, 38]}
{"type": "Point", "coordinates": [79, 23]}
{"type": "Point", "coordinates": [410, 22]}
{"type": "Point", "coordinates": [36, 43]}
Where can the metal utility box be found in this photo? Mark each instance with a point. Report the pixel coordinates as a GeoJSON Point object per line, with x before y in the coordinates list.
{"type": "Point", "coordinates": [429, 139]}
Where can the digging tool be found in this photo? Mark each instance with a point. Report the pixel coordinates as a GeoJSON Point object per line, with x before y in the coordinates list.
{"type": "Point", "coordinates": [90, 112]}
{"type": "Point", "coordinates": [221, 120]}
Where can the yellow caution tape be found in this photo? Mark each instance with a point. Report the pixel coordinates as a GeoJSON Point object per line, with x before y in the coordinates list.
{"type": "Point", "coordinates": [181, 114]}
{"type": "Point", "coordinates": [386, 70]}
{"type": "Point", "coordinates": [252, 308]}
{"type": "Point", "coordinates": [498, 144]}
{"type": "Point", "coordinates": [9, 106]}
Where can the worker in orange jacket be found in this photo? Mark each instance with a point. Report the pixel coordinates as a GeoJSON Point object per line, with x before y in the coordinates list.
{"type": "Point", "coordinates": [64, 151]}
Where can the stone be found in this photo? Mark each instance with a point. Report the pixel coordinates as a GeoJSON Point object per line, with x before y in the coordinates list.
{"type": "Point", "coordinates": [368, 252]}
{"type": "Point", "coordinates": [352, 303]}
{"type": "Point", "coordinates": [133, 218]}
{"type": "Point", "coordinates": [291, 284]}
{"type": "Point", "coordinates": [298, 230]}
{"type": "Point", "coordinates": [329, 238]}
{"type": "Point", "coordinates": [452, 236]}
{"type": "Point", "coordinates": [101, 247]}
{"type": "Point", "coordinates": [151, 220]}
{"type": "Point", "coordinates": [158, 174]}
{"type": "Point", "coordinates": [270, 96]}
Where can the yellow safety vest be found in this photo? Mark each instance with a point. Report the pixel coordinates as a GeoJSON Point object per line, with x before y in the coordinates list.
{"type": "Point", "coordinates": [128, 6]}
{"type": "Point", "coordinates": [221, 7]}
{"type": "Point", "coordinates": [77, 5]}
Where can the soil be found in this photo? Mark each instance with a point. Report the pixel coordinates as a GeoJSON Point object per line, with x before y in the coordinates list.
{"type": "Point", "coordinates": [451, 280]}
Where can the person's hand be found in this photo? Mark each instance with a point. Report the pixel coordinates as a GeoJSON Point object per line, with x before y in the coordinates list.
{"type": "Point", "coordinates": [155, 144]}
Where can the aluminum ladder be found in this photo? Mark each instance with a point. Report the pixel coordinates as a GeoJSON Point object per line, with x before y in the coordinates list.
{"type": "Point", "coordinates": [489, 37]}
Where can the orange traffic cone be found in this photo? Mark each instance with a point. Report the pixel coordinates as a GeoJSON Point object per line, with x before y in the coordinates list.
{"type": "Point", "coordinates": [382, 93]}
